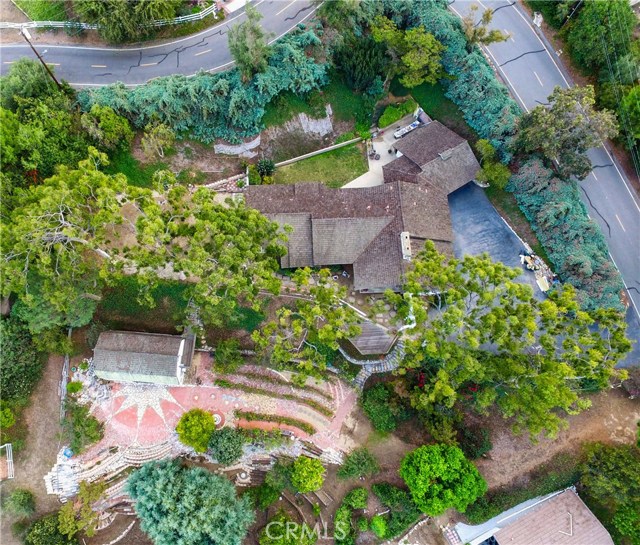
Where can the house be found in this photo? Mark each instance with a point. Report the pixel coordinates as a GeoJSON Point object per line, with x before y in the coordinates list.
{"type": "Point", "coordinates": [124, 356]}
{"type": "Point", "coordinates": [560, 518]}
{"type": "Point", "coordinates": [435, 155]}
{"type": "Point", "coordinates": [374, 231]}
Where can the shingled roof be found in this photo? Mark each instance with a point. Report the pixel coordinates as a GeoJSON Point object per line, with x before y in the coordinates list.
{"type": "Point", "coordinates": [124, 356]}
{"type": "Point", "coordinates": [360, 227]}
{"type": "Point", "coordinates": [435, 154]}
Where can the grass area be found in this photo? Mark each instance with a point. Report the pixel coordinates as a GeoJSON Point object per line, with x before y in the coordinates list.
{"type": "Point", "coordinates": [138, 174]}
{"type": "Point", "coordinates": [560, 472]}
{"type": "Point", "coordinates": [433, 101]}
{"type": "Point", "coordinates": [345, 104]}
{"type": "Point", "coordinates": [334, 168]}
{"type": "Point", "coordinates": [245, 318]}
{"type": "Point", "coordinates": [43, 10]}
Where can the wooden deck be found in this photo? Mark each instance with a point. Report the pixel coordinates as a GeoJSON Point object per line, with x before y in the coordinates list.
{"type": "Point", "coordinates": [374, 339]}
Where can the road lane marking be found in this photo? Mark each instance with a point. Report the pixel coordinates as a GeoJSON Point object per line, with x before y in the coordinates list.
{"type": "Point", "coordinates": [8, 62]}
{"type": "Point", "coordinates": [287, 6]}
{"type": "Point", "coordinates": [620, 222]}
{"type": "Point", "coordinates": [509, 34]}
{"type": "Point", "coordinates": [149, 64]}
{"type": "Point", "coordinates": [202, 52]}
{"type": "Point", "coordinates": [98, 66]}
{"type": "Point", "coordinates": [594, 175]}
{"type": "Point", "coordinates": [53, 63]}
{"type": "Point", "coordinates": [538, 78]}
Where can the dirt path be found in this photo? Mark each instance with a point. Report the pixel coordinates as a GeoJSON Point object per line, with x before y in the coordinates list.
{"type": "Point", "coordinates": [611, 419]}
{"type": "Point", "coordinates": [39, 455]}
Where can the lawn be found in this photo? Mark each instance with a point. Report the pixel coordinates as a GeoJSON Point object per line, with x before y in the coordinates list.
{"type": "Point", "coordinates": [334, 168]}
{"type": "Point", "coordinates": [43, 10]}
{"type": "Point", "coordinates": [138, 174]}
{"type": "Point", "coordinates": [345, 104]}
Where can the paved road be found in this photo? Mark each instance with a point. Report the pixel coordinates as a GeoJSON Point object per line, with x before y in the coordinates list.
{"type": "Point", "coordinates": [532, 69]}
{"type": "Point", "coordinates": [207, 50]}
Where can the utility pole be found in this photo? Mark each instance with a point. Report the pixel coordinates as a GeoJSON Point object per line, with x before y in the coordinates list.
{"type": "Point", "coordinates": [27, 36]}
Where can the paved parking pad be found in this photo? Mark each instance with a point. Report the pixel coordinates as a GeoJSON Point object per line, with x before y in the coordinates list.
{"type": "Point", "coordinates": [478, 228]}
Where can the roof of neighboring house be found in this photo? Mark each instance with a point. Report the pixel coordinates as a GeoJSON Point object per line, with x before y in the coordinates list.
{"type": "Point", "coordinates": [141, 357]}
{"type": "Point", "coordinates": [435, 154]}
{"type": "Point", "coordinates": [562, 520]}
{"type": "Point", "coordinates": [359, 227]}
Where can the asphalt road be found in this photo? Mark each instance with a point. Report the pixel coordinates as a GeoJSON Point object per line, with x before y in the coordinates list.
{"type": "Point", "coordinates": [94, 66]}
{"type": "Point", "coordinates": [531, 68]}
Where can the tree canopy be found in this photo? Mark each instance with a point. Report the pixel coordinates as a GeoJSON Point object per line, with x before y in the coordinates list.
{"type": "Point", "coordinates": [248, 44]}
{"type": "Point", "coordinates": [20, 362]}
{"type": "Point", "coordinates": [483, 335]}
{"type": "Point", "coordinates": [440, 477]}
{"type": "Point", "coordinates": [477, 32]}
{"type": "Point", "coordinates": [26, 78]}
{"type": "Point", "coordinates": [188, 506]}
{"type": "Point", "coordinates": [225, 445]}
{"type": "Point", "coordinates": [565, 130]}
{"type": "Point", "coordinates": [415, 52]}
{"type": "Point", "coordinates": [307, 474]}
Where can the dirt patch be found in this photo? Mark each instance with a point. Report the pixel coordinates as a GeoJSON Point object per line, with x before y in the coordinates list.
{"type": "Point", "coordinates": [611, 419]}
{"type": "Point", "coordinates": [43, 443]}
{"type": "Point", "coordinates": [191, 158]}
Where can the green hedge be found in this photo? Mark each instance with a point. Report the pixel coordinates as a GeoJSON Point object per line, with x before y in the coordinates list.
{"type": "Point", "coordinates": [277, 380]}
{"type": "Point", "coordinates": [393, 113]}
{"type": "Point", "coordinates": [250, 416]}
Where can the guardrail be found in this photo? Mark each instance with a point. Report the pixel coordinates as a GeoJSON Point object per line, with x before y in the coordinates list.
{"type": "Point", "coordinates": [212, 9]}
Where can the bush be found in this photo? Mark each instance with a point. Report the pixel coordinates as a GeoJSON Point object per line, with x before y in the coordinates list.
{"type": "Point", "coordinates": [359, 463]}
{"type": "Point", "coordinates": [363, 524]}
{"type": "Point", "coordinates": [356, 498]}
{"type": "Point", "coordinates": [403, 512]}
{"type": "Point", "coordinates": [475, 442]}
{"type": "Point", "coordinates": [20, 362]}
{"type": "Point", "coordinates": [394, 113]}
{"type": "Point", "coordinates": [44, 531]}
{"type": "Point", "coordinates": [81, 428]}
{"type": "Point", "coordinates": [264, 495]}
{"type": "Point", "coordinates": [20, 502]}
{"type": "Point", "coordinates": [7, 418]}
{"type": "Point", "coordinates": [251, 416]}
{"type": "Point", "coordinates": [343, 529]}
{"type": "Point", "coordinates": [195, 429]}
{"type": "Point", "coordinates": [225, 445]}
{"type": "Point", "coordinates": [382, 409]}
{"type": "Point", "coordinates": [573, 241]}
{"type": "Point", "coordinates": [379, 526]}
{"type": "Point", "coordinates": [307, 474]}
{"type": "Point", "coordinates": [74, 387]}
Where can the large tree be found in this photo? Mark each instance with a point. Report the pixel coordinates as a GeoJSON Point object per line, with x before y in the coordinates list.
{"type": "Point", "coordinates": [477, 32]}
{"type": "Point", "coordinates": [415, 52]}
{"type": "Point", "coordinates": [564, 130]}
{"type": "Point", "coordinates": [304, 337]}
{"type": "Point", "coordinates": [188, 506]}
{"type": "Point", "coordinates": [26, 78]}
{"type": "Point", "coordinates": [248, 44]}
{"type": "Point", "coordinates": [476, 333]}
{"type": "Point", "coordinates": [440, 477]}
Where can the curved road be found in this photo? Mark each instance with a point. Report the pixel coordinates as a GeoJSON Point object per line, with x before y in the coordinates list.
{"type": "Point", "coordinates": [531, 68]}
{"type": "Point", "coordinates": [95, 66]}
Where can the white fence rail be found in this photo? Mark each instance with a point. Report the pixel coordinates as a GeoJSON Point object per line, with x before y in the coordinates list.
{"type": "Point", "coordinates": [213, 9]}
{"type": "Point", "coordinates": [9, 449]}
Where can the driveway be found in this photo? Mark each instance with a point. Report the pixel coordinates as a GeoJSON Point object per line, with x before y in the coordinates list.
{"type": "Point", "coordinates": [478, 228]}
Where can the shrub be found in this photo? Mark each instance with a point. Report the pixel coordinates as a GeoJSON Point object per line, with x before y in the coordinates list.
{"type": "Point", "coordinates": [356, 498]}
{"type": "Point", "coordinates": [307, 474]}
{"type": "Point", "coordinates": [379, 526]}
{"type": "Point", "coordinates": [80, 427]}
{"type": "Point", "coordinates": [343, 530]}
{"type": "Point", "coordinates": [264, 495]}
{"type": "Point", "coordinates": [44, 531]}
{"type": "Point", "coordinates": [383, 411]}
{"type": "Point", "coordinates": [266, 167]}
{"type": "Point", "coordinates": [394, 113]}
{"type": "Point", "coordinates": [74, 387]}
{"type": "Point", "coordinates": [363, 524]}
{"type": "Point", "coordinates": [403, 512]}
{"type": "Point", "coordinates": [440, 477]}
{"type": "Point", "coordinates": [359, 463]}
{"type": "Point", "coordinates": [7, 418]}
{"type": "Point", "coordinates": [20, 502]}
{"type": "Point", "coordinates": [195, 429]}
{"type": "Point", "coordinates": [20, 362]}
{"type": "Point", "coordinates": [225, 445]}
{"type": "Point", "coordinates": [475, 442]}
